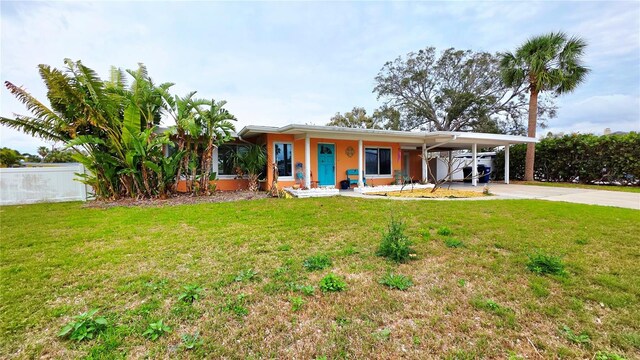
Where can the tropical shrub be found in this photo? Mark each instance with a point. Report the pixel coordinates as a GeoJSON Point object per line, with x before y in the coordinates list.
{"type": "Point", "coordinates": [84, 326]}
{"type": "Point", "coordinates": [395, 245]}
{"type": "Point", "coordinates": [112, 129]}
{"type": "Point", "coordinates": [585, 158]}
{"type": "Point", "coordinates": [317, 262]}
{"type": "Point", "coordinates": [9, 157]}
{"type": "Point", "coordinates": [252, 162]}
{"type": "Point", "coordinates": [541, 264]}
{"type": "Point", "coordinates": [332, 283]}
{"type": "Point", "coordinates": [395, 281]}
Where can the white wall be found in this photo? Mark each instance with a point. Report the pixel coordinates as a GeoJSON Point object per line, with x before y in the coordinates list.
{"type": "Point", "coordinates": [41, 184]}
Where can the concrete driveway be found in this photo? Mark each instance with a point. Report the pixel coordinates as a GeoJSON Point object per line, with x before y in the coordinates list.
{"type": "Point", "coordinates": [574, 195]}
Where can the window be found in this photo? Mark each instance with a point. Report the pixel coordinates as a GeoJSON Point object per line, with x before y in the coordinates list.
{"type": "Point", "coordinates": [377, 161]}
{"type": "Point", "coordinates": [227, 158]}
{"type": "Point", "coordinates": [284, 158]}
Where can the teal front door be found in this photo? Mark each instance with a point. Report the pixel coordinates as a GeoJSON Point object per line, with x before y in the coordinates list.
{"type": "Point", "coordinates": [326, 165]}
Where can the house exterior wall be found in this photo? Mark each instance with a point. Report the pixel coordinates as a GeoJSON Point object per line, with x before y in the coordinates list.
{"type": "Point", "coordinates": [342, 161]}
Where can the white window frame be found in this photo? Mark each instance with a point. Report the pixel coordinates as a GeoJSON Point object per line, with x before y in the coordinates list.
{"type": "Point", "coordinates": [378, 175]}
{"type": "Point", "coordinates": [293, 162]}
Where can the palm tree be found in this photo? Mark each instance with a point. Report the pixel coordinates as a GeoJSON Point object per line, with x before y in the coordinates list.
{"type": "Point", "coordinates": [550, 62]}
{"type": "Point", "coordinates": [252, 161]}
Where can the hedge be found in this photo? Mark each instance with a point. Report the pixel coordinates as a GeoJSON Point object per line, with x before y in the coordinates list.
{"type": "Point", "coordinates": [583, 158]}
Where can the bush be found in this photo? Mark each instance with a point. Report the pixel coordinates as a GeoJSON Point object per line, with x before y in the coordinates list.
{"type": "Point", "coordinates": [453, 243]}
{"type": "Point", "coordinates": [395, 244]}
{"type": "Point", "coordinates": [84, 326]}
{"type": "Point", "coordinates": [332, 283]}
{"type": "Point", "coordinates": [317, 262]}
{"type": "Point", "coordinates": [542, 264]}
{"type": "Point", "coordinates": [394, 281]}
{"type": "Point", "coordinates": [578, 157]}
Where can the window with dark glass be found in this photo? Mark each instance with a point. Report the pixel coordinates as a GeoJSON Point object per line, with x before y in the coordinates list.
{"type": "Point", "coordinates": [227, 158]}
{"type": "Point", "coordinates": [377, 161]}
{"type": "Point", "coordinates": [284, 158]}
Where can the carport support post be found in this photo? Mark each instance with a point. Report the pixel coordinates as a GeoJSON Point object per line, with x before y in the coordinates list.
{"type": "Point", "coordinates": [506, 164]}
{"type": "Point", "coordinates": [474, 166]}
{"type": "Point", "coordinates": [424, 164]}
{"type": "Point", "coordinates": [307, 162]}
{"type": "Point", "coordinates": [360, 159]}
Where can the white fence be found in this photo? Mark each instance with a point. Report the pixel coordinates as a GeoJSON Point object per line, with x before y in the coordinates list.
{"type": "Point", "coordinates": [29, 185]}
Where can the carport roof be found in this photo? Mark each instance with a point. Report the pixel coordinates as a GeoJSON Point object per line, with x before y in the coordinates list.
{"type": "Point", "coordinates": [447, 139]}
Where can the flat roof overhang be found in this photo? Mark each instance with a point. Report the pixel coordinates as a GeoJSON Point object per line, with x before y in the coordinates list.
{"type": "Point", "coordinates": [446, 139]}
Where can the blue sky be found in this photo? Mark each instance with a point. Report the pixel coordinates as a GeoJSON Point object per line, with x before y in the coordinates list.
{"type": "Point", "coordinates": [286, 62]}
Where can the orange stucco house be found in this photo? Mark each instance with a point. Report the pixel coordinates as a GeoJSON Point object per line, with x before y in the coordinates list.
{"type": "Point", "coordinates": [321, 155]}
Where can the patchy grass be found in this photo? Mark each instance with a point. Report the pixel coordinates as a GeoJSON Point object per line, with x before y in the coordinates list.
{"type": "Point", "coordinates": [132, 263]}
{"type": "Point", "coordinates": [634, 189]}
{"type": "Point", "coordinates": [426, 193]}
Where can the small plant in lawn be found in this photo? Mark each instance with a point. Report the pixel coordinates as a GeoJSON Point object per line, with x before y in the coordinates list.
{"type": "Point", "coordinates": [453, 243]}
{"type": "Point", "coordinates": [395, 281]}
{"type": "Point", "coordinates": [582, 241]}
{"type": "Point", "coordinates": [84, 326]}
{"type": "Point", "coordinates": [383, 334]}
{"type": "Point", "coordinates": [506, 313]}
{"type": "Point", "coordinates": [602, 355]}
{"type": "Point", "coordinates": [462, 282]}
{"type": "Point", "coordinates": [191, 293]}
{"type": "Point", "coordinates": [307, 290]}
{"type": "Point", "coordinates": [426, 234]}
{"type": "Point", "coordinates": [245, 275]}
{"type": "Point", "coordinates": [317, 262]}
{"type": "Point", "coordinates": [444, 231]}
{"type": "Point", "coordinates": [542, 264]}
{"type": "Point", "coordinates": [284, 247]}
{"type": "Point", "coordinates": [155, 330]}
{"type": "Point", "coordinates": [395, 244]}
{"type": "Point", "coordinates": [190, 342]}
{"type": "Point", "coordinates": [296, 303]}
{"type": "Point", "coordinates": [581, 339]}
{"type": "Point", "coordinates": [332, 283]}
{"type": "Point", "coordinates": [236, 305]}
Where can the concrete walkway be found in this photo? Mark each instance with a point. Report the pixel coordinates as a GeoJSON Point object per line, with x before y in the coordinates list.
{"type": "Point", "coordinates": [511, 191]}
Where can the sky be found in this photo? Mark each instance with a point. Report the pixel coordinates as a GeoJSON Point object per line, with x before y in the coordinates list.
{"type": "Point", "coordinates": [277, 63]}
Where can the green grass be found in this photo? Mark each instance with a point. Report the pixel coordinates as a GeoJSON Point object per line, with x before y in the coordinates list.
{"type": "Point", "coordinates": [633, 189]}
{"type": "Point", "coordinates": [132, 264]}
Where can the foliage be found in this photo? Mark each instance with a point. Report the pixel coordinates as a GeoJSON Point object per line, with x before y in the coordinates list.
{"type": "Point", "coordinates": [506, 313]}
{"type": "Point", "coordinates": [84, 326]}
{"type": "Point", "coordinates": [332, 283]}
{"type": "Point", "coordinates": [541, 264]}
{"type": "Point", "coordinates": [585, 158]}
{"type": "Point", "coordinates": [252, 161]}
{"type": "Point", "coordinates": [245, 275]}
{"type": "Point", "coordinates": [111, 127]}
{"type": "Point", "coordinates": [307, 290]}
{"type": "Point", "coordinates": [9, 157]}
{"type": "Point", "coordinates": [317, 262]}
{"type": "Point", "coordinates": [190, 342]}
{"type": "Point", "coordinates": [395, 281]}
{"type": "Point", "coordinates": [444, 231]}
{"type": "Point", "coordinates": [582, 338]}
{"type": "Point", "coordinates": [453, 242]}
{"type": "Point", "coordinates": [395, 245]}
{"type": "Point", "coordinates": [296, 303]}
{"type": "Point", "coordinates": [383, 334]}
{"type": "Point", "coordinates": [455, 91]}
{"type": "Point", "coordinates": [155, 330]}
{"type": "Point", "coordinates": [191, 293]}
{"type": "Point", "coordinates": [383, 118]}
{"type": "Point", "coordinates": [602, 355]}
{"type": "Point", "coordinates": [550, 62]}
{"type": "Point", "coordinates": [56, 155]}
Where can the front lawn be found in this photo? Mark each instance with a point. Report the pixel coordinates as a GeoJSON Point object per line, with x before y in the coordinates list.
{"type": "Point", "coordinates": [240, 276]}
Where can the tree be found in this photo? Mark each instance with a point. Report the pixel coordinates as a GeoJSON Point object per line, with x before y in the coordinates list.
{"type": "Point", "coordinates": [43, 151]}
{"type": "Point", "coordinates": [9, 157]}
{"type": "Point", "coordinates": [551, 62]}
{"type": "Point", "coordinates": [383, 118]}
{"type": "Point", "coordinates": [59, 156]}
{"type": "Point", "coordinates": [252, 162]}
{"type": "Point", "coordinates": [458, 91]}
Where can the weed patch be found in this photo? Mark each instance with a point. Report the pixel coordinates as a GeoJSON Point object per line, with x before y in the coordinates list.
{"type": "Point", "coordinates": [332, 283]}
{"type": "Point", "coordinates": [395, 281]}
{"type": "Point", "coordinates": [542, 264]}
{"type": "Point", "coordinates": [317, 262]}
{"type": "Point", "coordinates": [156, 330]}
{"type": "Point", "coordinates": [453, 243]}
{"type": "Point", "coordinates": [395, 244]}
{"type": "Point", "coordinates": [84, 326]}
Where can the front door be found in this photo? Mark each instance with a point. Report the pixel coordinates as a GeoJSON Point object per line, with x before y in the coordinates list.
{"type": "Point", "coordinates": [326, 165]}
